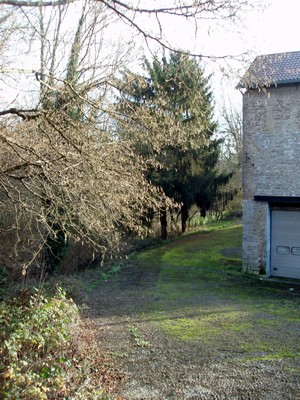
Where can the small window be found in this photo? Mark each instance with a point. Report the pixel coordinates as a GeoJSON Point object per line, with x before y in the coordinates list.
{"type": "Point", "coordinates": [296, 251]}
{"type": "Point", "coordinates": [283, 250]}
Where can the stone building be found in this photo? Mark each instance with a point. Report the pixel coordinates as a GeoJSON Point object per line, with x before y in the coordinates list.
{"type": "Point", "coordinates": [271, 165]}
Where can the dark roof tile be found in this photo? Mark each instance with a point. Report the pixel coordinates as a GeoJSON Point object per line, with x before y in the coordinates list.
{"type": "Point", "coordinates": [272, 69]}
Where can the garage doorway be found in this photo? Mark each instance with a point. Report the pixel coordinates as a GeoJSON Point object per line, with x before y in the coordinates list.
{"type": "Point", "coordinates": [285, 242]}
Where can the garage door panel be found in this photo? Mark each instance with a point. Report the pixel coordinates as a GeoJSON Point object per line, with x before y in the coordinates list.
{"type": "Point", "coordinates": [285, 244]}
{"type": "Point", "coordinates": [286, 271]}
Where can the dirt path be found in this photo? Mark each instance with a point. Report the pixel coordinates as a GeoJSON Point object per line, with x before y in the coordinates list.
{"type": "Point", "coordinates": [182, 322]}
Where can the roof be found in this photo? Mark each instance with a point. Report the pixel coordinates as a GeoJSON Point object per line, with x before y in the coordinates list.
{"type": "Point", "coordinates": [272, 69]}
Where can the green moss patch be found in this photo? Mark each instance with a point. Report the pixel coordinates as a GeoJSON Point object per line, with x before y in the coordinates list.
{"type": "Point", "coordinates": [207, 325]}
{"type": "Point", "coordinates": [206, 298]}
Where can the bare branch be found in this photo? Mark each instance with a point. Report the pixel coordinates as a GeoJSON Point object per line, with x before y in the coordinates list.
{"type": "Point", "coordinates": [21, 3]}
{"type": "Point", "coordinates": [189, 11]}
{"type": "Point", "coordinates": [25, 114]}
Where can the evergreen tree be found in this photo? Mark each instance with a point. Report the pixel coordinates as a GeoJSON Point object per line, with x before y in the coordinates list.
{"type": "Point", "coordinates": [174, 102]}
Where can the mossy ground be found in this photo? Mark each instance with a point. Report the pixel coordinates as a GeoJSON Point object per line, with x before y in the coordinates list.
{"type": "Point", "coordinates": [198, 311]}
{"type": "Point", "coordinates": [201, 277]}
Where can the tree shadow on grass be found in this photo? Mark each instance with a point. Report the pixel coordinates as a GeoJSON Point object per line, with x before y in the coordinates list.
{"type": "Point", "coordinates": [198, 272]}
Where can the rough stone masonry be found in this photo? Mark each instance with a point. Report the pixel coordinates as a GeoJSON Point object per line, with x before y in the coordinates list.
{"type": "Point", "coordinates": [271, 160]}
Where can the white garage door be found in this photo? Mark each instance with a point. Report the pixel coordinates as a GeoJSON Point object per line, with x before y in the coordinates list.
{"type": "Point", "coordinates": [285, 243]}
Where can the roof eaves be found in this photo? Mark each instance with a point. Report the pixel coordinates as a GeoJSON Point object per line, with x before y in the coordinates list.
{"type": "Point", "coordinates": [287, 81]}
{"type": "Point", "coordinates": [272, 70]}
{"type": "Point", "coordinates": [253, 85]}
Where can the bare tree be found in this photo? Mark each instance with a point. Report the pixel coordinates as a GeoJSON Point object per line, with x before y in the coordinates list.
{"type": "Point", "coordinates": [64, 172]}
{"type": "Point", "coordinates": [150, 21]}
{"type": "Point", "coordinates": [232, 132]}
{"type": "Point", "coordinates": [231, 156]}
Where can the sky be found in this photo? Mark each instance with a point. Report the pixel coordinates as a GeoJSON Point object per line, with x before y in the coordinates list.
{"type": "Point", "coordinates": [272, 29]}
{"type": "Point", "coordinates": [276, 28]}
{"type": "Point", "coordinates": [269, 26]}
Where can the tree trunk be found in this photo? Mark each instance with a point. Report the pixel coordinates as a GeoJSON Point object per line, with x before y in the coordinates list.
{"type": "Point", "coordinates": [184, 217]}
{"type": "Point", "coordinates": [163, 223]}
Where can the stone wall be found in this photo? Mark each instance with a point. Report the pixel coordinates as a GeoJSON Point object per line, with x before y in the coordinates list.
{"type": "Point", "coordinates": [255, 232]}
{"type": "Point", "coordinates": [271, 161]}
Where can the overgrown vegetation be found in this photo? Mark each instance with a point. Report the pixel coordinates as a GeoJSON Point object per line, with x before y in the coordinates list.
{"type": "Point", "coordinates": [40, 350]}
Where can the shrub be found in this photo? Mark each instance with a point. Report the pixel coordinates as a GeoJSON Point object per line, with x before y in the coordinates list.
{"type": "Point", "coordinates": [34, 345]}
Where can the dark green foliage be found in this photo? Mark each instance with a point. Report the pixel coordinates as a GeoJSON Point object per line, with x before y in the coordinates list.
{"type": "Point", "coordinates": [207, 190]}
{"type": "Point", "coordinates": [55, 249]}
{"type": "Point", "coordinates": [3, 279]}
{"type": "Point", "coordinates": [177, 96]}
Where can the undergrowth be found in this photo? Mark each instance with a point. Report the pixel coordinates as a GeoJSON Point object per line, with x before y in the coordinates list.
{"type": "Point", "coordinates": [38, 355]}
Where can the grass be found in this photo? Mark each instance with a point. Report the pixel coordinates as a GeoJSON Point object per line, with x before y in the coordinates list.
{"type": "Point", "coordinates": [206, 297]}
{"type": "Point", "coordinates": [196, 294]}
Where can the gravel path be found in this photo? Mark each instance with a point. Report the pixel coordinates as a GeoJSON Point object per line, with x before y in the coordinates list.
{"type": "Point", "coordinates": [144, 322]}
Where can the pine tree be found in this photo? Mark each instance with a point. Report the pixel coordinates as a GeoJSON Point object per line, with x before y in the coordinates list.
{"type": "Point", "coordinates": [173, 107]}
